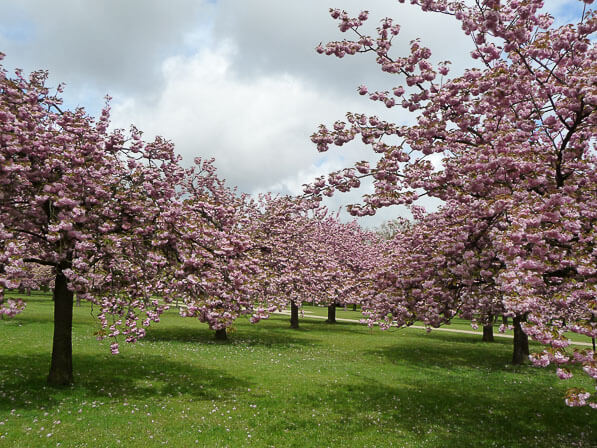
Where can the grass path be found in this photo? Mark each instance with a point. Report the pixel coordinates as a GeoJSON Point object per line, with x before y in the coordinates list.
{"type": "Point", "coordinates": [309, 314]}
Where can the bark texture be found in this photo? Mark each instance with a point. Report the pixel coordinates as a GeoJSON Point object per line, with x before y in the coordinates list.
{"type": "Point", "coordinates": [521, 342]}
{"type": "Point", "coordinates": [294, 318]}
{"type": "Point", "coordinates": [331, 314]}
{"type": "Point", "coordinates": [488, 333]}
{"type": "Point", "coordinates": [221, 335]}
{"type": "Point", "coordinates": [61, 368]}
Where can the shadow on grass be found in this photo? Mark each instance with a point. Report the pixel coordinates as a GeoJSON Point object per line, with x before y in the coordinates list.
{"type": "Point", "coordinates": [458, 350]}
{"type": "Point", "coordinates": [23, 380]}
{"type": "Point", "coordinates": [267, 333]}
{"type": "Point", "coordinates": [514, 416]}
{"type": "Point", "coordinates": [266, 338]}
{"type": "Point", "coordinates": [448, 351]}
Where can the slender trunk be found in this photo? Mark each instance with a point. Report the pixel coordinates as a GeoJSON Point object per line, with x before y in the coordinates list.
{"type": "Point", "coordinates": [331, 314]}
{"type": "Point", "coordinates": [488, 333]}
{"type": "Point", "coordinates": [294, 321]}
{"type": "Point", "coordinates": [354, 306]}
{"type": "Point", "coordinates": [61, 369]}
{"type": "Point", "coordinates": [221, 334]}
{"type": "Point", "coordinates": [521, 342]}
{"type": "Point", "coordinates": [505, 320]}
{"type": "Point", "coordinates": [593, 338]}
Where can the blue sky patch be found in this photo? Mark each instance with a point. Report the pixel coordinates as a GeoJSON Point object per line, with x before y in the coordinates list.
{"type": "Point", "coordinates": [16, 25]}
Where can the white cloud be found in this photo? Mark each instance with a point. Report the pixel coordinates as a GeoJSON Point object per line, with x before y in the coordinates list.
{"type": "Point", "coordinates": [277, 36]}
{"type": "Point", "coordinates": [105, 46]}
{"type": "Point", "coordinates": [258, 129]}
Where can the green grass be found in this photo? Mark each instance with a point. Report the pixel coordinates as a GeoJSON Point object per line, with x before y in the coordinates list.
{"type": "Point", "coordinates": [455, 324]}
{"type": "Point", "coordinates": [339, 385]}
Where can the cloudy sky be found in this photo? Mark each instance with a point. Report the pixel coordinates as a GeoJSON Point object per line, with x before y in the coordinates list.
{"type": "Point", "coordinates": [238, 80]}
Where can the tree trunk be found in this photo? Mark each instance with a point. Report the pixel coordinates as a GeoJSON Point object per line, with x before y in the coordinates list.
{"type": "Point", "coordinates": [294, 321]}
{"type": "Point", "coordinates": [521, 342]}
{"type": "Point", "coordinates": [488, 333]}
{"type": "Point", "coordinates": [331, 314]}
{"type": "Point", "coordinates": [354, 306]}
{"type": "Point", "coordinates": [593, 338]}
{"type": "Point", "coordinates": [61, 369]}
{"type": "Point", "coordinates": [221, 334]}
{"type": "Point", "coordinates": [505, 320]}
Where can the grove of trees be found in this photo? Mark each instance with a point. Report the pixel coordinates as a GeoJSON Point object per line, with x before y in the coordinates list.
{"type": "Point", "coordinates": [516, 137]}
{"type": "Point", "coordinates": [119, 222]}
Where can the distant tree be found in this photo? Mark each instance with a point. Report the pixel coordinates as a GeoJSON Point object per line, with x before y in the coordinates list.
{"type": "Point", "coordinates": [295, 267]}
{"type": "Point", "coordinates": [354, 255]}
{"type": "Point", "coordinates": [217, 269]}
{"type": "Point", "coordinates": [389, 229]}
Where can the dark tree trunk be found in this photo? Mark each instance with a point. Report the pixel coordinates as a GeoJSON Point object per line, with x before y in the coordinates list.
{"type": "Point", "coordinates": [294, 321]}
{"type": "Point", "coordinates": [505, 320]}
{"type": "Point", "coordinates": [354, 306]}
{"type": "Point", "coordinates": [331, 314]}
{"type": "Point", "coordinates": [221, 334]}
{"type": "Point", "coordinates": [521, 342]}
{"type": "Point", "coordinates": [593, 338]}
{"type": "Point", "coordinates": [61, 369]}
{"type": "Point", "coordinates": [488, 333]}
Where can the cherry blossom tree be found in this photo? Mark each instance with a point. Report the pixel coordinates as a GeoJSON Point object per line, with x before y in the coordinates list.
{"type": "Point", "coordinates": [442, 264]}
{"type": "Point", "coordinates": [40, 277]}
{"type": "Point", "coordinates": [516, 140]}
{"type": "Point", "coordinates": [354, 255]}
{"type": "Point", "coordinates": [295, 265]}
{"type": "Point", "coordinates": [89, 204]}
{"type": "Point", "coordinates": [309, 256]}
{"type": "Point", "coordinates": [217, 267]}
{"type": "Point", "coordinates": [388, 229]}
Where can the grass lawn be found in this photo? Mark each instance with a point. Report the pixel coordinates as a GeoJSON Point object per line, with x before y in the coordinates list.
{"type": "Point", "coordinates": [455, 324]}
{"type": "Point", "coordinates": [323, 385]}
